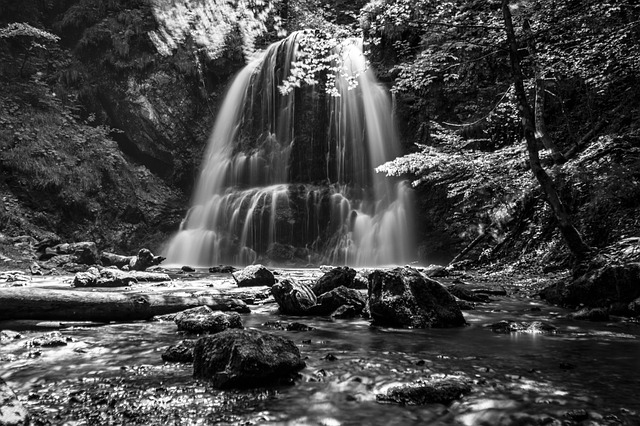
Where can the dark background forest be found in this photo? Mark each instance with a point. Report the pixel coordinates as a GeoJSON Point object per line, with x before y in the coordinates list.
{"type": "Point", "coordinates": [106, 106]}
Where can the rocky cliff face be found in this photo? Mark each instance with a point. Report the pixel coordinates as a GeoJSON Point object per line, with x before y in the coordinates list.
{"type": "Point", "coordinates": [104, 128]}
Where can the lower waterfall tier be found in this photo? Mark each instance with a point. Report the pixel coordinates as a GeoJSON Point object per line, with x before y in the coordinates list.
{"type": "Point", "coordinates": [294, 224]}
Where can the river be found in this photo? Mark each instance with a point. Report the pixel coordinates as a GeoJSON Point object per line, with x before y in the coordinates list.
{"type": "Point", "coordinates": [585, 373]}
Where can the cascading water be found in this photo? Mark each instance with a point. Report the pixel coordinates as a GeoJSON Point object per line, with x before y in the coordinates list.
{"type": "Point", "coordinates": [291, 177]}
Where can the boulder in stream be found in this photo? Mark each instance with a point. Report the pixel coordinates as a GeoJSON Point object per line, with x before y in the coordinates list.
{"type": "Point", "coordinates": [403, 297]}
{"type": "Point", "coordinates": [180, 352]}
{"type": "Point", "coordinates": [427, 391]}
{"type": "Point", "coordinates": [330, 301]}
{"type": "Point", "coordinates": [293, 298]}
{"type": "Point", "coordinates": [246, 358]}
{"type": "Point", "coordinates": [254, 275]}
{"type": "Point", "coordinates": [12, 412]}
{"type": "Point", "coordinates": [334, 278]}
{"type": "Point", "coordinates": [204, 320]}
{"type": "Point", "coordinates": [609, 286]}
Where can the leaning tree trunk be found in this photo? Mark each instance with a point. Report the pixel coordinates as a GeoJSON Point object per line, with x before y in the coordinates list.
{"type": "Point", "coordinates": [102, 306]}
{"type": "Point", "coordinates": [571, 235]}
{"type": "Point", "coordinates": [540, 126]}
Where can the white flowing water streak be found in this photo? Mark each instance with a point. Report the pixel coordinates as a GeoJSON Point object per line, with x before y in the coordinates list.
{"type": "Point", "coordinates": [248, 203]}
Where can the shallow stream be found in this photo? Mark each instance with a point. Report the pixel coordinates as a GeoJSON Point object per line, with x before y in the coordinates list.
{"type": "Point", "coordinates": [586, 373]}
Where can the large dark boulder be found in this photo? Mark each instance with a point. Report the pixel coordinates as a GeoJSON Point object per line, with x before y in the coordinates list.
{"type": "Point", "coordinates": [204, 320]}
{"type": "Point", "coordinates": [336, 277]}
{"type": "Point", "coordinates": [607, 286]}
{"type": "Point", "coordinates": [403, 297]}
{"type": "Point", "coordinates": [246, 358]}
{"type": "Point", "coordinates": [330, 301]}
{"type": "Point", "coordinates": [12, 412]}
{"type": "Point", "coordinates": [254, 275]}
{"type": "Point", "coordinates": [293, 298]}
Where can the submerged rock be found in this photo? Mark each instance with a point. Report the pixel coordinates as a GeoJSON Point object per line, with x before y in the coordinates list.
{"type": "Point", "coordinates": [293, 298]}
{"type": "Point", "coordinates": [403, 297]}
{"type": "Point", "coordinates": [509, 326]}
{"type": "Point", "coordinates": [222, 269]}
{"type": "Point", "coordinates": [49, 340]}
{"type": "Point", "coordinates": [293, 326]}
{"type": "Point", "coordinates": [181, 352]}
{"type": "Point", "coordinates": [246, 358]}
{"type": "Point", "coordinates": [336, 277]}
{"type": "Point", "coordinates": [254, 275]}
{"type": "Point", "coordinates": [346, 311]}
{"type": "Point", "coordinates": [12, 412]}
{"type": "Point", "coordinates": [204, 320]}
{"type": "Point", "coordinates": [430, 391]}
{"type": "Point", "coordinates": [465, 294]}
{"type": "Point", "coordinates": [590, 314]}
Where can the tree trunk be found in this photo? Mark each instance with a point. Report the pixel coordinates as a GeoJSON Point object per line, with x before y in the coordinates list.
{"type": "Point", "coordinates": [571, 235]}
{"type": "Point", "coordinates": [541, 128]}
{"type": "Point", "coordinates": [468, 248]}
{"type": "Point", "coordinates": [103, 306]}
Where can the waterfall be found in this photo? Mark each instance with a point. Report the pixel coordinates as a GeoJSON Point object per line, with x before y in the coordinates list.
{"type": "Point", "coordinates": [290, 178]}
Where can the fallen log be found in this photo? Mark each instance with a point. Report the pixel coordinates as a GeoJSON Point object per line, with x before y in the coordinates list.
{"type": "Point", "coordinates": [61, 305]}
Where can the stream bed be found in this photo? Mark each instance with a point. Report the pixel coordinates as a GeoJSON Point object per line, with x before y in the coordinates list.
{"type": "Point", "coordinates": [585, 373]}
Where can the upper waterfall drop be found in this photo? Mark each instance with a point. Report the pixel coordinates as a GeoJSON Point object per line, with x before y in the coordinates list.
{"type": "Point", "coordinates": [291, 176]}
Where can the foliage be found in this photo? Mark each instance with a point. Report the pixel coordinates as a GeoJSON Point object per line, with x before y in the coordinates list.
{"type": "Point", "coordinates": [485, 185]}
{"type": "Point", "coordinates": [27, 40]}
{"type": "Point", "coordinates": [319, 59]}
{"type": "Point", "coordinates": [18, 29]}
{"type": "Point", "coordinates": [212, 23]}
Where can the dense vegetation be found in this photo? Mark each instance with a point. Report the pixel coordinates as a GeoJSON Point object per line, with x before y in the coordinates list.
{"type": "Point", "coordinates": [106, 108]}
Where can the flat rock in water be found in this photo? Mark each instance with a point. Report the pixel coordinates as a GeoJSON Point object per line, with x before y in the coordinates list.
{"type": "Point", "coordinates": [509, 326]}
{"type": "Point", "coordinates": [246, 358]}
{"type": "Point", "coordinates": [107, 277]}
{"type": "Point", "coordinates": [293, 298]}
{"type": "Point", "coordinates": [181, 352]}
{"type": "Point", "coordinates": [203, 320]}
{"type": "Point", "coordinates": [143, 276]}
{"type": "Point", "coordinates": [403, 297]}
{"type": "Point", "coordinates": [430, 391]}
{"type": "Point", "coordinates": [336, 277]}
{"type": "Point", "coordinates": [12, 412]}
{"type": "Point", "coordinates": [254, 275]}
